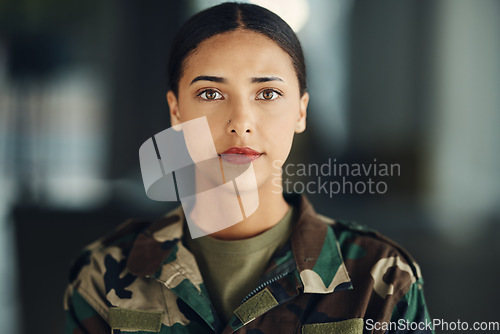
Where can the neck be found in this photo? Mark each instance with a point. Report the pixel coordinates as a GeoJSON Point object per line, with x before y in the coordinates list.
{"type": "Point", "coordinates": [271, 209]}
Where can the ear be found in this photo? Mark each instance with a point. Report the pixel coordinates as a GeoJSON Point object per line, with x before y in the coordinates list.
{"type": "Point", "coordinates": [173, 105]}
{"type": "Point", "coordinates": [301, 121]}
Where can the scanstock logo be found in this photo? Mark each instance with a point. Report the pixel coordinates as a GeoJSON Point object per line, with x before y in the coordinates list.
{"type": "Point", "coordinates": [182, 164]}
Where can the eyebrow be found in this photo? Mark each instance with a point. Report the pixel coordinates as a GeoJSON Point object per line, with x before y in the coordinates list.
{"type": "Point", "coordinates": [265, 79]}
{"type": "Point", "coordinates": [208, 78]}
{"type": "Point", "coordinates": [223, 80]}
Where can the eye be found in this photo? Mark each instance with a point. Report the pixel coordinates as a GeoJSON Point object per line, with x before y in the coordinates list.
{"type": "Point", "coordinates": [210, 94]}
{"type": "Point", "coordinates": [268, 94]}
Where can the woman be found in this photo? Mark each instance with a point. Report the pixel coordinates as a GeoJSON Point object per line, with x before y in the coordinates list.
{"type": "Point", "coordinates": [281, 269]}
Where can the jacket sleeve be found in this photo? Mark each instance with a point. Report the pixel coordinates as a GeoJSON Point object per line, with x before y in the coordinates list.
{"type": "Point", "coordinates": [410, 313]}
{"type": "Point", "coordinates": [81, 318]}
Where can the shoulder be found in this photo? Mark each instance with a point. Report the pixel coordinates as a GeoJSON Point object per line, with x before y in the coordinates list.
{"type": "Point", "coordinates": [368, 253]}
{"type": "Point", "coordinates": [119, 240]}
{"type": "Point", "coordinates": [101, 275]}
{"type": "Point", "coordinates": [99, 261]}
{"type": "Point", "coordinates": [364, 250]}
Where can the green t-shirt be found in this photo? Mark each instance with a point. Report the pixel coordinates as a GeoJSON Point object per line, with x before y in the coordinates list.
{"type": "Point", "coordinates": [231, 269]}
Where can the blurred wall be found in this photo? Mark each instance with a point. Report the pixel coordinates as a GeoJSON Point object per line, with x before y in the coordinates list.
{"type": "Point", "coordinates": [82, 86]}
{"type": "Point", "coordinates": [462, 137]}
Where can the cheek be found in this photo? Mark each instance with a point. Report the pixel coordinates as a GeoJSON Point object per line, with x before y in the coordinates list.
{"type": "Point", "coordinates": [281, 136]}
{"type": "Point", "coordinates": [285, 130]}
{"type": "Point", "coordinates": [286, 124]}
{"type": "Point", "coordinates": [190, 110]}
{"type": "Point", "coordinates": [217, 123]}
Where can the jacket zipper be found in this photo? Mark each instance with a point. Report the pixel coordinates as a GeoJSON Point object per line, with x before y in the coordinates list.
{"type": "Point", "coordinates": [263, 285]}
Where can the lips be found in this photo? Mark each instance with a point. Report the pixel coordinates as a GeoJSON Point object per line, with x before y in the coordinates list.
{"type": "Point", "coordinates": [240, 155]}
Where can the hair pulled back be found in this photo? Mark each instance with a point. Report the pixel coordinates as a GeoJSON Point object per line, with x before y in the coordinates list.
{"type": "Point", "coordinates": [230, 16]}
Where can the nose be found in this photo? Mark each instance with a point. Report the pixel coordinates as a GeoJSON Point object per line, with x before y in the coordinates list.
{"type": "Point", "coordinates": [241, 119]}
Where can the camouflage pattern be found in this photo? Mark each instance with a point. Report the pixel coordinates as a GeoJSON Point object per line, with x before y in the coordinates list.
{"type": "Point", "coordinates": [331, 277]}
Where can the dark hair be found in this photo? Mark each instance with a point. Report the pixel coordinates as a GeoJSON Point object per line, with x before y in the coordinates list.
{"type": "Point", "coordinates": [227, 17]}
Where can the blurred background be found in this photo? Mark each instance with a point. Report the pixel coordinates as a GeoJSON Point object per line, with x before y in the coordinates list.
{"type": "Point", "coordinates": [414, 83]}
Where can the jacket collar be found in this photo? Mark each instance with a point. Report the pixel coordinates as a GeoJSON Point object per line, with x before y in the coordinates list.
{"type": "Point", "coordinates": [314, 246]}
{"type": "Point", "coordinates": [316, 251]}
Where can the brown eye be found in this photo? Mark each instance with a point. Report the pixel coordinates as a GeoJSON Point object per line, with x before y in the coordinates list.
{"type": "Point", "coordinates": [210, 94]}
{"type": "Point", "coordinates": [268, 94]}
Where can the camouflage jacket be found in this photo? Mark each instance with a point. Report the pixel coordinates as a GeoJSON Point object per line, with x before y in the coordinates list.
{"type": "Point", "coordinates": [331, 277]}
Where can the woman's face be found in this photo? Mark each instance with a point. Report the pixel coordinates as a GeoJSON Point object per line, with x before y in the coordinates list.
{"type": "Point", "coordinates": [247, 79]}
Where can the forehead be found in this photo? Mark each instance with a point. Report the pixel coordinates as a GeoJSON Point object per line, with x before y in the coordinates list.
{"type": "Point", "coordinates": [239, 52]}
